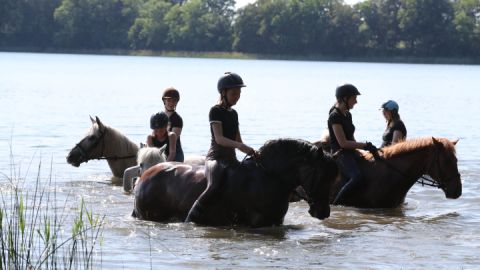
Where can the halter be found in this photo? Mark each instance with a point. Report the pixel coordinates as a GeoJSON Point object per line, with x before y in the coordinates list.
{"type": "Point", "coordinates": [424, 181]}
{"type": "Point", "coordinates": [84, 153]}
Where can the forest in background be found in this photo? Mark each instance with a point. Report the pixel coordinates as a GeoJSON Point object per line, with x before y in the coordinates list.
{"type": "Point", "coordinates": [300, 28]}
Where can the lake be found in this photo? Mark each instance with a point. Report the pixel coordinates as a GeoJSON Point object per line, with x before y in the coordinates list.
{"type": "Point", "coordinates": [46, 100]}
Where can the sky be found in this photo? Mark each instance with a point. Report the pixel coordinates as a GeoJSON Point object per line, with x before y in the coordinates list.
{"type": "Point", "coordinates": [241, 3]}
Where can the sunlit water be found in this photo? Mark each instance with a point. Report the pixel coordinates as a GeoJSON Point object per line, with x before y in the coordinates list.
{"type": "Point", "coordinates": [46, 100]}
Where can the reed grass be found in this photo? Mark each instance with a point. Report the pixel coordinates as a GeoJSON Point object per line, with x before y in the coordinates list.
{"type": "Point", "coordinates": [35, 230]}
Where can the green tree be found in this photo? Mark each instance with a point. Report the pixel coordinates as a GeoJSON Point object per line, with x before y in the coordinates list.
{"type": "Point", "coordinates": [379, 26]}
{"type": "Point", "coordinates": [467, 27]}
{"type": "Point", "coordinates": [200, 25]}
{"type": "Point", "coordinates": [27, 23]}
{"type": "Point", "coordinates": [149, 30]}
{"type": "Point", "coordinates": [95, 24]}
{"type": "Point", "coordinates": [426, 26]}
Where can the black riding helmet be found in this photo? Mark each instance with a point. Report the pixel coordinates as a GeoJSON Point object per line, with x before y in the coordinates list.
{"type": "Point", "coordinates": [346, 90]}
{"type": "Point", "coordinates": [171, 93]}
{"type": "Point", "coordinates": [158, 120]}
{"type": "Point", "coordinates": [229, 80]}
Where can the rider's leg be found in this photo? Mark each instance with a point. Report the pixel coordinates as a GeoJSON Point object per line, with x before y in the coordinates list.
{"type": "Point", "coordinates": [348, 166]}
{"type": "Point", "coordinates": [214, 172]}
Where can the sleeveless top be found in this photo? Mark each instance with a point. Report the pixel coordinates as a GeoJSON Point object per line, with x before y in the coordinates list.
{"type": "Point", "coordinates": [228, 117]}
{"type": "Point", "coordinates": [388, 134]}
{"type": "Point", "coordinates": [337, 117]}
{"type": "Point", "coordinates": [175, 121]}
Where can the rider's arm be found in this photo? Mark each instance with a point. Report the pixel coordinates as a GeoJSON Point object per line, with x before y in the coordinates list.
{"type": "Point", "coordinates": [172, 142]}
{"type": "Point", "coordinates": [150, 141]}
{"type": "Point", "coordinates": [397, 136]}
{"type": "Point", "coordinates": [226, 142]}
{"type": "Point", "coordinates": [342, 140]}
{"type": "Point", "coordinates": [178, 131]}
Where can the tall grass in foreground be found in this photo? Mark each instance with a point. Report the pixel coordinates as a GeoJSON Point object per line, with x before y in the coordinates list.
{"type": "Point", "coordinates": [37, 233]}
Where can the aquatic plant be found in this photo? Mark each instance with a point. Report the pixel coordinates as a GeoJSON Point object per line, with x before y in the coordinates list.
{"type": "Point", "coordinates": [34, 231]}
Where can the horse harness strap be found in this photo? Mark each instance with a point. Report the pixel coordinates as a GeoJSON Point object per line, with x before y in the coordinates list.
{"type": "Point", "coordinates": [85, 152]}
{"type": "Point", "coordinates": [424, 181]}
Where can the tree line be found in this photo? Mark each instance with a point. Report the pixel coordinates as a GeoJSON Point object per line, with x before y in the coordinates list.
{"type": "Point", "coordinates": [371, 28]}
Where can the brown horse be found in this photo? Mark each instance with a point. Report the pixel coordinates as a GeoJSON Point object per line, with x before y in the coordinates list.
{"type": "Point", "coordinates": [255, 193]}
{"type": "Point", "coordinates": [388, 179]}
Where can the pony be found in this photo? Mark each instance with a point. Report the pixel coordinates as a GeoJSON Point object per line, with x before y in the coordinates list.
{"type": "Point", "coordinates": [146, 158]}
{"type": "Point", "coordinates": [106, 143]}
{"type": "Point", "coordinates": [388, 178]}
{"type": "Point", "coordinates": [254, 194]}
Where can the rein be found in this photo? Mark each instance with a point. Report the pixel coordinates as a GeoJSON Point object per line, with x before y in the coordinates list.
{"type": "Point", "coordinates": [85, 152]}
{"type": "Point", "coordinates": [424, 181]}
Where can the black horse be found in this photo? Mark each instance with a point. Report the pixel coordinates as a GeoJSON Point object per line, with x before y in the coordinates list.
{"type": "Point", "coordinates": [255, 193]}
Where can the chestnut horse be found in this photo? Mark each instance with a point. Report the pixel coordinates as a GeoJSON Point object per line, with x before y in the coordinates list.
{"type": "Point", "coordinates": [255, 193]}
{"type": "Point", "coordinates": [388, 179]}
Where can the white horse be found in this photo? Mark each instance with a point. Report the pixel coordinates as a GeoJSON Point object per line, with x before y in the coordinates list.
{"type": "Point", "coordinates": [146, 158]}
{"type": "Point", "coordinates": [104, 142]}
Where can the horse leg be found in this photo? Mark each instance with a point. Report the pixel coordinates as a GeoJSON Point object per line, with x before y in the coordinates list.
{"type": "Point", "coordinates": [215, 173]}
{"type": "Point", "coordinates": [349, 167]}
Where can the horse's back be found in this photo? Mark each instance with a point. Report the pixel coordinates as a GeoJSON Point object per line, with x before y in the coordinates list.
{"type": "Point", "coordinates": [168, 190]}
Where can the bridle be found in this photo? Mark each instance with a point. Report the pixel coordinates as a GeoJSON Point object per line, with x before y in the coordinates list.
{"type": "Point", "coordinates": [84, 152]}
{"type": "Point", "coordinates": [424, 181]}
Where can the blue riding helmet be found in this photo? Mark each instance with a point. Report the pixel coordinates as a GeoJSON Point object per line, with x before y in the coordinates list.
{"type": "Point", "coordinates": [390, 105]}
{"type": "Point", "coordinates": [158, 120]}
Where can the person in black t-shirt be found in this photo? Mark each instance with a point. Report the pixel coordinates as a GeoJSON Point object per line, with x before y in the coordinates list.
{"type": "Point", "coordinates": [170, 98]}
{"type": "Point", "coordinates": [342, 139]}
{"type": "Point", "coordinates": [396, 130]}
{"type": "Point", "coordinates": [225, 132]}
{"type": "Point", "coordinates": [161, 136]}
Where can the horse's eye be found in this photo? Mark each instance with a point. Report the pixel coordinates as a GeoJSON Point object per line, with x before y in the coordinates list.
{"type": "Point", "coordinates": [91, 138]}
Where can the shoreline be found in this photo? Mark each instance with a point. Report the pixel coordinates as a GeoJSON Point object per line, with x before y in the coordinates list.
{"type": "Point", "coordinates": [251, 56]}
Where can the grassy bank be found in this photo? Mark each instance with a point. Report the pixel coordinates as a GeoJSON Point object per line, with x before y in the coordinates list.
{"type": "Point", "coordinates": [239, 55]}
{"type": "Point", "coordinates": [38, 232]}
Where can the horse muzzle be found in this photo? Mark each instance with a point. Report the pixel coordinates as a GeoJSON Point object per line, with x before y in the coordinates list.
{"type": "Point", "coordinates": [75, 158]}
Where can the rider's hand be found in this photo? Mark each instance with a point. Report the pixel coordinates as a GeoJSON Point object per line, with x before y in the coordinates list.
{"type": "Point", "coordinates": [247, 149]}
{"type": "Point", "coordinates": [371, 148]}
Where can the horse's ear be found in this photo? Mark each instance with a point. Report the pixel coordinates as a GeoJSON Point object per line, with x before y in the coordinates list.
{"type": "Point", "coordinates": [455, 142]}
{"type": "Point", "coordinates": [436, 142]}
{"type": "Point", "coordinates": [91, 119]}
{"type": "Point", "coordinates": [100, 124]}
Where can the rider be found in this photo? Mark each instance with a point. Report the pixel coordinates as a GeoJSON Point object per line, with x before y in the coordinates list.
{"type": "Point", "coordinates": [342, 139]}
{"type": "Point", "coordinates": [161, 136]}
{"type": "Point", "coordinates": [170, 98]}
{"type": "Point", "coordinates": [396, 130]}
{"type": "Point", "coordinates": [225, 132]}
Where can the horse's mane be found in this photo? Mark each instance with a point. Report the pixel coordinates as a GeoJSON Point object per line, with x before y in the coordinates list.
{"type": "Point", "coordinates": [150, 155]}
{"type": "Point", "coordinates": [412, 145]}
{"type": "Point", "coordinates": [274, 152]}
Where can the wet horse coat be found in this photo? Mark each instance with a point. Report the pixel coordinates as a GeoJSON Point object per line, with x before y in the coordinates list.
{"type": "Point", "coordinates": [253, 194]}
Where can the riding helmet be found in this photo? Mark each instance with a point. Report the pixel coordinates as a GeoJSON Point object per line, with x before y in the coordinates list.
{"type": "Point", "coordinates": [171, 93]}
{"type": "Point", "coordinates": [346, 90]}
{"type": "Point", "coordinates": [390, 105]}
{"type": "Point", "coordinates": [158, 120]}
{"type": "Point", "coordinates": [229, 80]}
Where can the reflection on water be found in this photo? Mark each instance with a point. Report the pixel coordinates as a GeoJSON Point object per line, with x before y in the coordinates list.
{"type": "Point", "coordinates": [283, 99]}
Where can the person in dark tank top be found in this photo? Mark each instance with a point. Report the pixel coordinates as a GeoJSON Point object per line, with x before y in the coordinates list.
{"type": "Point", "coordinates": [225, 138]}
{"type": "Point", "coordinates": [161, 136]}
{"type": "Point", "coordinates": [342, 138]}
{"type": "Point", "coordinates": [170, 98]}
{"type": "Point", "coordinates": [395, 130]}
